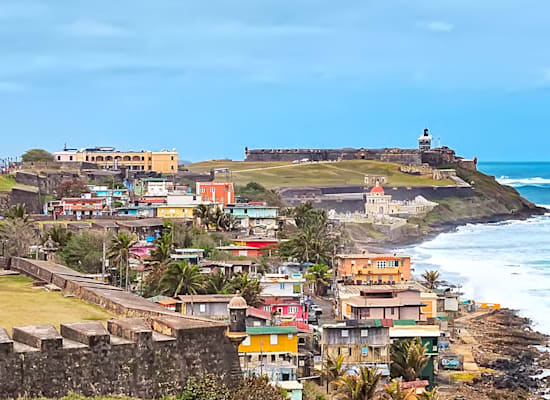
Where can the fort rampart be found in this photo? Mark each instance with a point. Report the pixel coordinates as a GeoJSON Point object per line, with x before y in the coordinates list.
{"type": "Point", "coordinates": [150, 354]}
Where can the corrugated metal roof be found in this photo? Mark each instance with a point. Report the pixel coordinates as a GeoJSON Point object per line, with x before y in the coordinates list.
{"type": "Point", "coordinates": [270, 330]}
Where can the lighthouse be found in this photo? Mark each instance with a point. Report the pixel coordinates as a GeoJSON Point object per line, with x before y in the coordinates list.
{"type": "Point", "coordinates": [425, 141]}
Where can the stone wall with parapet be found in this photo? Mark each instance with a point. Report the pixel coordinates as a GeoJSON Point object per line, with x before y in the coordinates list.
{"type": "Point", "coordinates": [134, 357]}
{"type": "Point", "coordinates": [148, 355]}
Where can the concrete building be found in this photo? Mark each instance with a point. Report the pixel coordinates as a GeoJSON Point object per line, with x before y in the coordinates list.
{"type": "Point", "coordinates": [77, 206]}
{"type": "Point", "coordinates": [361, 343]}
{"type": "Point", "coordinates": [179, 205]}
{"type": "Point", "coordinates": [216, 192]}
{"type": "Point", "coordinates": [373, 303]}
{"type": "Point", "coordinates": [279, 285]}
{"type": "Point", "coordinates": [373, 268]}
{"type": "Point", "coordinates": [164, 161]}
{"type": "Point", "coordinates": [257, 218]}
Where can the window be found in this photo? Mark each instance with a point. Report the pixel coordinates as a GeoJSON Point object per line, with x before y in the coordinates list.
{"type": "Point", "coordinates": [392, 310]}
{"type": "Point", "coordinates": [212, 189]}
{"type": "Point", "coordinates": [349, 351]}
{"type": "Point", "coordinates": [171, 158]}
{"type": "Point", "coordinates": [290, 336]}
{"type": "Point", "coordinates": [172, 167]}
{"type": "Point", "coordinates": [273, 339]}
{"type": "Point", "coordinates": [364, 332]}
{"type": "Point", "coordinates": [344, 333]}
{"type": "Point", "coordinates": [58, 158]}
{"type": "Point", "coordinates": [393, 263]}
{"type": "Point", "coordinates": [202, 190]}
{"type": "Point", "coordinates": [273, 358]}
{"type": "Point", "coordinates": [379, 278]}
{"type": "Point", "coordinates": [246, 342]}
{"type": "Point", "coordinates": [282, 286]}
{"type": "Point", "coordinates": [380, 264]}
{"type": "Point", "coordinates": [202, 308]}
{"type": "Point", "coordinates": [364, 351]}
{"type": "Point", "coordinates": [71, 158]}
{"type": "Point", "coordinates": [293, 310]}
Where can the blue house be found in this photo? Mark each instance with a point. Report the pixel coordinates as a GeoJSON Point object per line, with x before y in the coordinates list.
{"type": "Point", "coordinates": [257, 218]}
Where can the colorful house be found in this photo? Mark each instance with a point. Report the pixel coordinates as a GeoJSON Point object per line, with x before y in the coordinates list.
{"type": "Point", "coordinates": [241, 251]}
{"type": "Point", "coordinates": [360, 343]}
{"type": "Point", "coordinates": [288, 308]}
{"type": "Point", "coordinates": [257, 218]}
{"type": "Point", "coordinates": [181, 205]}
{"type": "Point", "coordinates": [373, 303]}
{"type": "Point", "coordinates": [78, 207]}
{"type": "Point", "coordinates": [111, 195]}
{"type": "Point", "coordinates": [280, 285]}
{"type": "Point", "coordinates": [216, 192]}
{"type": "Point", "coordinates": [271, 350]}
{"type": "Point", "coordinates": [373, 268]}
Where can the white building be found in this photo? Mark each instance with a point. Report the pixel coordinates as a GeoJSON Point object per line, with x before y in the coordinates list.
{"type": "Point", "coordinates": [425, 141]}
{"type": "Point", "coordinates": [281, 285]}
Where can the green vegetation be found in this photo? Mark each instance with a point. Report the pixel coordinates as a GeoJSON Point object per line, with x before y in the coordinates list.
{"type": "Point", "coordinates": [35, 155]}
{"type": "Point", "coordinates": [253, 191]}
{"type": "Point", "coordinates": [16, 231]}
{"type": "Point", "coordinates": [83, 252]}
{"type": "Point", "coordinates": [6, 183]}
{"type": "Point", "coordinates": [283, 174]}
{"type": "Point", "coordinates": [319, 275]}
{"type": "Point", "coordinates": [409, 357]}
{"type": "Point", "coordinates": [24, 305]}
{"type": "Point", "coordinates": [490, 199]}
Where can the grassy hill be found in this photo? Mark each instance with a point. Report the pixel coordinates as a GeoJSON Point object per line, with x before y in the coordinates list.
{"type": "Point", "coordinates": [284, 174]}
{"type": "Point", "coordinates": [6, 183]}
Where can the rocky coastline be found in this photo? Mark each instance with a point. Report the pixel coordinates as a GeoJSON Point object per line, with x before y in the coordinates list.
{"type": "Point", "coordinates": [514, 360]}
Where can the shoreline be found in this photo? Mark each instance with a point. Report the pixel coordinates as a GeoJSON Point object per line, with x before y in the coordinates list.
{"type": "Point", "coordinates": [509, 354]}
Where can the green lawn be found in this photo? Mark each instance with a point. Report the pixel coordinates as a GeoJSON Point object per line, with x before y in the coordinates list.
{"type": "Point", "coordinates": [7, 182]}
{"type": "Point", "coordinates": [282, 174]}
{"type": "Point", "coordinates": [22, 305]}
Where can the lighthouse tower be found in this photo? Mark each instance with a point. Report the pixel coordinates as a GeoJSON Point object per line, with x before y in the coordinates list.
{"type": "Point", "coordinates": [425, 141]}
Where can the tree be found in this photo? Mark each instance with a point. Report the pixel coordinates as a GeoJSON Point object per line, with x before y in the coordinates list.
{"type": "Point", "coordinates": [120, 252]}
{"type": "Point", "coordinates": [409, 357]}
{"type": "Point", "coordinates": [395, 391]}
{"type": "Point", "coordinates": [362, 386]}
{"type": "Point", "coordinates": [59, 235]}
{"type": "Point", "coordinates": [16, 235]}
{"type": "Point", "coordinates": [203, 213]}
{"type": "Point", "coordinates": [249, 288]}
{"type": "Point", "coordinates": [253, 191]}
{"type": "Point", "coordinates": [318, 274]}
{"type": "Point", "coordinates": [83, 252]}
{"type": "Point", "coordinates": [164, 246]}
{"type": "Point", "coordinates": [431, 278]}
{"type": "Point", "coordinates": [34, 155]}
{"type": "Point", "coordinates": [18, 211]}
{"type": "Point", "coordinates": [181, 278]}
{"type": "Point", "coordinates": [333, 369]}
{"type": "Point", "coordinates": [430, 395]}
{"type": "Point", "coordinates": [71, 188]}
{"type": "Point", "coordinates": [205, 387]}
{"type": "Point", "coordinates": [182, 233]}
{"type": "Point", "coordinates": [217, 283]}
{"type": "Point", "coordinates": [258, 389]}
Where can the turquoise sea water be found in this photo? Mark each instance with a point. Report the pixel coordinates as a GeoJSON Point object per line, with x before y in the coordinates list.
{"type": "Point", "coordinates": [506, 262]}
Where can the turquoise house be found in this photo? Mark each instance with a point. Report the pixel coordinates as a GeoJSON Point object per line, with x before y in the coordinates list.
{"type": "Point", "coordinates": [256, 218]}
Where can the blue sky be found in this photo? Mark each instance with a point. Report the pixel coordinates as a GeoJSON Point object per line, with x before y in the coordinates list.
{"type": "Point", "coordinates": [211, 77]}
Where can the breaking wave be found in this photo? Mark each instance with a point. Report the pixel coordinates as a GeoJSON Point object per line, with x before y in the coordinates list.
{"type": "Point", "coordinates": [522, 182]}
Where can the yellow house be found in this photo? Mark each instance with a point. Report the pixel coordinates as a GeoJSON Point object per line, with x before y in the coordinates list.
{"type": "Point", "coordinates": [270, 339]}
{"type": "Point", "coordinates": [429, 300]}
{"type": "Point", "coordinates": [175, 211]}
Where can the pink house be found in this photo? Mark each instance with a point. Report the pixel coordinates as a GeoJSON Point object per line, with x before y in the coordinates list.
{"type": "Point", "coordinates": [385, 304]}
{"type": "Point", "coordinates": [289, 308]}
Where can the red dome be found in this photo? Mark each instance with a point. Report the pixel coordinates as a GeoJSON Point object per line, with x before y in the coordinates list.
{"type": "Point", "coordinates": [377, 189]}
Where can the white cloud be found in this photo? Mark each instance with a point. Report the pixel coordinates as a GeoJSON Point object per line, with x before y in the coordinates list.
{"type": "Point", "coordinates": [94, 28]}
{"type": "Point", "coordinates": [10, 86]}
{"type": "Point", "coordinates": [437, 26]}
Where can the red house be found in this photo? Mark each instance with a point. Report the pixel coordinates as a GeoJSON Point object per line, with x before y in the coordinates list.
{"type": "Point", "coordinates": [241, 251]}
{"type": "Point", "coordinates": [216, 192]}
{"type": "Point", "coordinates": [289, 308]}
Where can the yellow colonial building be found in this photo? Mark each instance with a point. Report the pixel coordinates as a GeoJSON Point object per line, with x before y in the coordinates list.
{"type": "Point", "coordinates": [164, 161]}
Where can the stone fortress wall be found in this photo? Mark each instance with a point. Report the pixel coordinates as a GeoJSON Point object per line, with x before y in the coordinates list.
{"type": "Point", "coordinates": [149, 354]}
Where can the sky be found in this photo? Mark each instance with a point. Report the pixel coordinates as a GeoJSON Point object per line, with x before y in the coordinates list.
{"type": "Point", "coordinates": [211, 77]}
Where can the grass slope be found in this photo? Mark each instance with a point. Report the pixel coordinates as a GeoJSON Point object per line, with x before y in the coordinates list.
{"type": "Point", "coordinates": [22, 305]}
{"type": "Point", "coordinates": [6, 183]}
{"type": "Point", "coordinates": [283, 174]}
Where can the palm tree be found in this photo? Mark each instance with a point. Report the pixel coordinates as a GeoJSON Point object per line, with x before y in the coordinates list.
{"type": "Point", "coordinates": [18, 211]}
{"type": "Point", "coordinates": [203, 212]}
{"type": "Point", "coordinates": [394, 391]}
{"type": "Point", "coordinates": [408, 359]}
{"type": "Point", "coordinates": [218, 283]}
{"type": "Point", "coordinates": [120, 252]}
{"type": "Point", "coordinates": [249, 288]}
{"type": "Point", "coordinates": [431, 278]}
{"type": "Point", "coordinates": [59, 235]}
{"type": "Point", "coordinates": [182, 278]}
{"type": "Point", "coordinates": [162, 252]}
{"type": "Point", "coordinates": [318, 274]}
{"type": "Point", "coordinates": [16, 235]}
{"type": "Point", "coordinates": [333, 369]}
{"type": "Point", "coordinates": [362, 386]}
{"type": "Point", "coordinates": [430, 395]}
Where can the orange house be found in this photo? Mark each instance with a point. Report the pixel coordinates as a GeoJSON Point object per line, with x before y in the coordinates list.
{"type": "Point", "coordinates": [216, 192]}
{"type": "Point", "coordinates": [372, 268]}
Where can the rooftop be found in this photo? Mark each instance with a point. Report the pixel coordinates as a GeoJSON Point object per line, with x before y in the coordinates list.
{"type": "Point", "coordinates": [373, 255]}
{"type": "Point", "coordinates": [270, 330]}
{"type": "Point", "coordinates": [355, 290]}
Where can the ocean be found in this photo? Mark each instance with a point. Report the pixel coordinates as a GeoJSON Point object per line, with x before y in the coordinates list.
{"type": "Point", "coordinates": [505, 262]}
